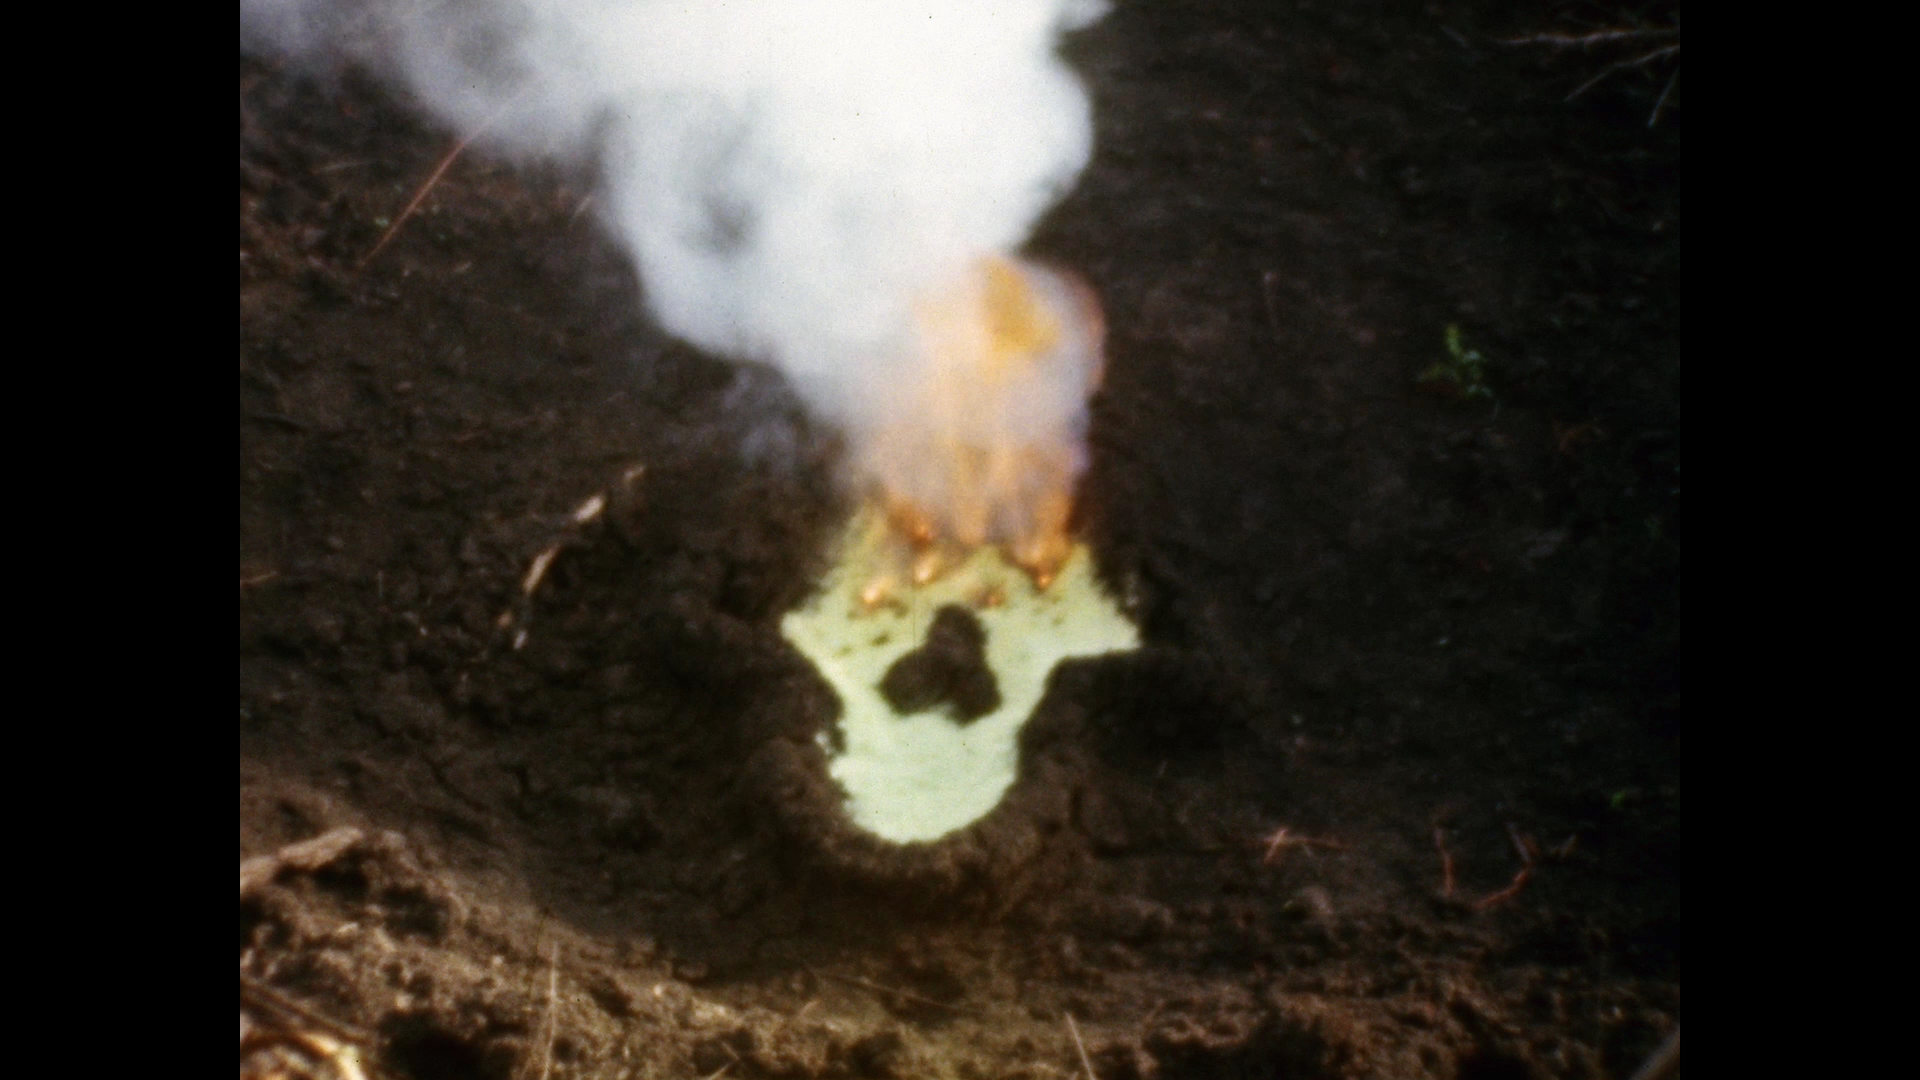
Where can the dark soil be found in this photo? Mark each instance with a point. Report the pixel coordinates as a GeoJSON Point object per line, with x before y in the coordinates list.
{"type": "Point", "coordinates": [1417, 607]}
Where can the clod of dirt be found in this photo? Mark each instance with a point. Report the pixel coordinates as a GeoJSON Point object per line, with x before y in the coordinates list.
{"type": "Point", "coordinates": [879, 1054]}
{"type": "Point", "coordinates": [951, 667]}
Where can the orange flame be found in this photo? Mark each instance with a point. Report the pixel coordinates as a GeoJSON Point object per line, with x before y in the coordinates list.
{"type": "Point", "coordinates": [987, 445]}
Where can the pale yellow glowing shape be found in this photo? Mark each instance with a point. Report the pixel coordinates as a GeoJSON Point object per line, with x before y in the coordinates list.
{"type": "Point", "coordinates": [922, 776]}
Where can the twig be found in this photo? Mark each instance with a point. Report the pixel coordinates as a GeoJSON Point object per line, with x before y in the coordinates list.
{"type": "Point", "coordinates": [1603, 37]}
{"type": "Point", "coordinates": [1282, 838]}
{"type": "Point", "coordinates": [1525, 846]}
{"type": "Point", "coordinates": [1658, 105]}
{"type": "Point", "coordinates": [585, 514]}
{"type": "Point", "coordinates": [418, 197]}
{"type": "Point", "coordinates": [1074, 1030]}
{"type": "Point", "coordinates": [538, 570]}
{"type": "Point", "coordinates": [906, 994]}
{"type": "Point", "coordinates": [278, 419]}
{"type": "Point", "coordinates": [438, 171]}
{"type": "Point", "coordinates": [1611, 68]}
{"type": "Point", "coordinates": [342, 1055]}
{"type": "Point", "coordinates": [267, 999]}
{"type": "Point", "coordinates": [1446, 862]}
{"type": "Point", "coordinates": [553, 994]}
{"type": "Point", "coordinates": [307, 855]}
{"type": "Point", "coordinates": [590, 509]}
{"type": "Point", "coordinates": [1588, 41]}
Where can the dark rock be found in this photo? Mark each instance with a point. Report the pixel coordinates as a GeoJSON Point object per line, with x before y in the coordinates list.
{"type": "Point", "coordinates": [950, 668]}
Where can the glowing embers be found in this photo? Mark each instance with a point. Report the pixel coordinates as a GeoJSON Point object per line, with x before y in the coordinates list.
{"type": "Point", "coordinates": [923, 774]}
{"type": "Point", "coordinates": [988, 433]}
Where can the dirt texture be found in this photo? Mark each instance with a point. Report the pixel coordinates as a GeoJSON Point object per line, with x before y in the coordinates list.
{"type": "Point", "coordinates": [1393, 790]}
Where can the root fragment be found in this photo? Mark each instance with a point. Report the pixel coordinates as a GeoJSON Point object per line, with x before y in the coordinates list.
{"type": "Point", "coordinates": [593, 509]}
{"type": "Point", "coordinates": [1074, 1030]}
{"type": "Point", "coordinates": [1528, 852]}
{"type": "Point", "coordinates": [1282, 838]}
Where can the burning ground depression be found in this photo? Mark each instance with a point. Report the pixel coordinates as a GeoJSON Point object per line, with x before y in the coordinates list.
{"type": "Point", "coordinates": [1388, 787]}
{"type": "Point", "coordinates": [969, 512]}
{"type": "Point", "coordinates": [837, 190]}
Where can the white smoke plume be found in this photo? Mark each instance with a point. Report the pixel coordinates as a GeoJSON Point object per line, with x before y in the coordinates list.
{"type": "Point", "coordinates": [792, 178]}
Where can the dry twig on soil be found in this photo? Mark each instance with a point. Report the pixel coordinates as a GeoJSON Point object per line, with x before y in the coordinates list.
{"type": "Point", "coordinates": [280, 1037]}
{"type": "Point", "coordinates": [1282, 838]}
{"type": "Point", "coordinates": [1074, 1030]}
{"type": "Point", "coordinates": [585, 514]}
{"type": "Point", "coordinates": [1670, 50]}
{"type": "Point", "coordinates": [307, 855]}
{"type": "Point", "coordinates": [1527, 848]}
{"type": "Point", "coordinates": [1588, 41]}
{"type": "Point", "coordinates": [553, 998]}
{"type": "Point", "coordinates": [432, 179]}
{"type": "Point", "coordinates": [904, 995]}
{"type": "Point", "coordinates": [1607, 37]}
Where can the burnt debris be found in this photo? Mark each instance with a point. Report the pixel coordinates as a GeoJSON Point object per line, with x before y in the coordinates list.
{"type": "Point", "coordinates": [949, 668]}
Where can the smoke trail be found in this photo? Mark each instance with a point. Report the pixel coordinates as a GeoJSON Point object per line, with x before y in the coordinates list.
{"type": "Point", "coordinates": [793, 179]}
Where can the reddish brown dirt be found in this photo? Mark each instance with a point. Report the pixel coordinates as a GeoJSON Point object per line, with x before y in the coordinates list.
{"type": "Point", "coordinates": [1381, 612]}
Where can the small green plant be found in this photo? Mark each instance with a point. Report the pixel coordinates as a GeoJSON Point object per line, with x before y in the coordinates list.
{"type": "Point", "coordinates": [1463, 373]}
